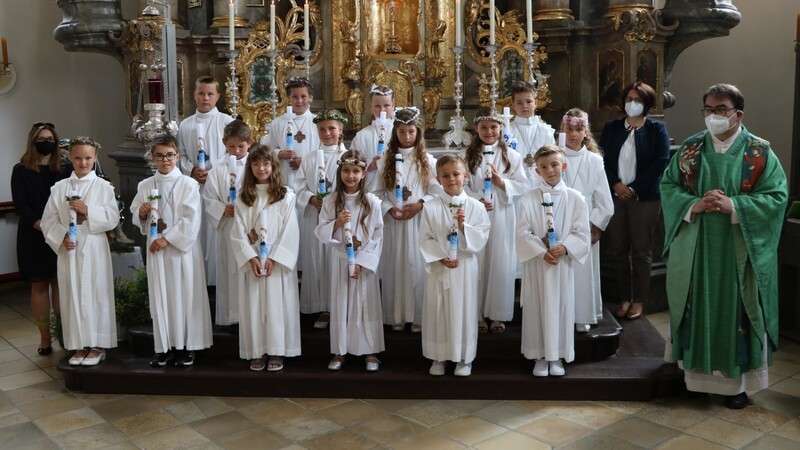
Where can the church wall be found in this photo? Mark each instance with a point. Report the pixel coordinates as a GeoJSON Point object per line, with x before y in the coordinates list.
{"type": "Point", "coordinates": [81, 93]}
{"type": "Point", "coordinates": [759, 58]}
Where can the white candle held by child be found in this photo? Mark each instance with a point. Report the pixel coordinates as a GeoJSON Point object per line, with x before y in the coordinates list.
{"type": "Point", "coordinates": [550, 221]}
{"type": "Point", "coordinates": [201, 147]}
{"type": "Point", "coordinates": [322, 184]}
{"type": "Point", "coordinates": [232, 175]}
{"type": "Point", "coordinates": [349, 249]}
{"type": "Point", "coordinates": [153, 199]}
{"type": "Point", "coordinates": [263, 248]}
{"type": "Point", "coordinates": [398, 186]}
{"type": "Point", "coordinates": [72, 230]}
{"type": "Point", "coordinates": [562, 140]}
{"type": "Point", "coordinates": [453, 236]}
{"type": "Point", "coordinates": [488, 158]}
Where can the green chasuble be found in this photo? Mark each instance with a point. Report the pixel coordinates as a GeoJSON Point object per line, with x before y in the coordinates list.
{"type": "Point", "coordinates": [722, 282]}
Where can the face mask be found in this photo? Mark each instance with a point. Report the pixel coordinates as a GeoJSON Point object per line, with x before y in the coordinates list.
{"type": "Point", "coordinates": [634, 109]}
{"type": "Point", "coordinates": [718, 124]}
{"type": "Point", "coordinates": [45, 147]}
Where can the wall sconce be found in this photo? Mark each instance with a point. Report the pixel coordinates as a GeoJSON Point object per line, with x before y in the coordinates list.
{"type": "Point", "coordinates": [8, 74]}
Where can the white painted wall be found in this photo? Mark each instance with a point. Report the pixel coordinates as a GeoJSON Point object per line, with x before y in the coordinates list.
{"type": "Point", "coordinates": [759, 58]}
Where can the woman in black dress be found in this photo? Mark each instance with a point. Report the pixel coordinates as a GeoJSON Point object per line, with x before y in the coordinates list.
{"type": "Point", "coordinates": [38, 170]}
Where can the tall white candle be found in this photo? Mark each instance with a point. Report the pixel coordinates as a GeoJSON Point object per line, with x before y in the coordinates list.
{"type": "Point", "coordinates": [459, 25]}
{"type": "Point", "coordinates": [491, 23]}
{"type": "Point", "coordinates": [72, 229]}
{"type": "Point", "coordinates": [231, 13]}
{"type": "Point", "coordinates": [453, 237]}
{"type": "Point", "coordinates": [562, 140]}
{"type": "Point", "coordinates": [232, 174]}
{"type": "Point", "coordinates": [306, 37]}
{"type": "Point", "coordinates": [549, 219]}
{"type": "Point", "coordinates": [263, 248]}
{"type": "Point", "coordinates": [322, 185]}
{"type": "Point", "coordinates": [398, 187]}
{"type": "Point", "coordinates": [153, 213]}
{"type": "Point", "coordinates": [488, 158]}
{"type": "Point", "coordinates": [529, 19]}
{"type": "Point", "coordinates": [272, 24]}
{"type": "Point", "coordinates": [349, 249]}
{"type": "Point", "coordinates": [201, 147]}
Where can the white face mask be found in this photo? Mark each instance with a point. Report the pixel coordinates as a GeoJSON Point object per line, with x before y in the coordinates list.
{"type": "Point", "coordinates": [718, 124]}
{"type": "Point", "coordinates": [634, 109]}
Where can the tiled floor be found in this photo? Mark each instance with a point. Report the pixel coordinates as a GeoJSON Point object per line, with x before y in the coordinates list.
{"type": "Point", "coordinates": [37, 411]}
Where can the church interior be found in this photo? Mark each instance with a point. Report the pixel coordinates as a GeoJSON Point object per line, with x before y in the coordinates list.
{"type": "Point", "coordinates": [122, 71]}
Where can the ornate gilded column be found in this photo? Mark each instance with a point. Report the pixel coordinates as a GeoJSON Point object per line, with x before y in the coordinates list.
{"type": "Point", "coordinates": [173, 6]}
{"type": "Point", "coordinates": [221, 14]}
{"type": "Point", "coordinates": [634, 17]}
{"type": "Point", "coordinates": [552, 10]}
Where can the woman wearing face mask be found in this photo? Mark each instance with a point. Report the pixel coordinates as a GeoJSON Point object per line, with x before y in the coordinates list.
{"type": "Point", "coordinates": [40, 167]}
{"type": "Point", "coordinates": [636, 153]}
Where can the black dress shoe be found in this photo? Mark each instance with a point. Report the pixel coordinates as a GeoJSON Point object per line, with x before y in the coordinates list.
{"type": "Point", "coordinates": [737, 401]}
{"type": "Point", "coordinates": [45, 351]}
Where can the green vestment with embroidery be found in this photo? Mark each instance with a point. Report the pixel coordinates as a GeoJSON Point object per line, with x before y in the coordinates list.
{"type": "Point", "coordinates": [722, 283]}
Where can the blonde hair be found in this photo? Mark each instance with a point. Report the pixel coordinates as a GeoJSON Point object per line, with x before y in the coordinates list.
{"type": "Point", "coordinates": [588, 140]}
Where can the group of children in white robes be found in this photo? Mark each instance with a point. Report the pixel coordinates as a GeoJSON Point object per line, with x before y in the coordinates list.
{"type": "Point", "coordinates": [391, 236]}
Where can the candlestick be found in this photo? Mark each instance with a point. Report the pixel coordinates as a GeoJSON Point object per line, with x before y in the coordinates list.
{"type": "Point", "coordinates": [231, 14]}
{"type": "Point", "coordinates": [5, 49]}
{"type": "Point", "coordinates": [459, 25]}
{"type": "Point", "coordinates": [272, 24]}
{"type": "Point", "coordinates": [272, 54]}
{"type": "Point", "coordinates": [492, 50]}
{"type": "Point", "coordinates": [457, 134]}
{"type": "Point", "coordinates": [322, 185]}
{"type": "Point", "coordinates": [349, 249]}
{"type": "Point", "coordinates": [529, 49]}
{"type": "Point", "coordinates": [153, 199]}
{"type": "Point", "coordinates": [306, 55]}
{"type": "Point", "coordinates": [306, 38]}
{"type": "Point", "coordinates": [263, 248]}
{"type": "Point", "coordinates": [398, 186]}
{"type": "Point", "coordinates": [488, 157]}
{"type": "Point", "coordinates": [491, 23]}
{"type": "Point", "coordinates": [550, 221]}
{"type": "Point", "coordinates": [529, 20]}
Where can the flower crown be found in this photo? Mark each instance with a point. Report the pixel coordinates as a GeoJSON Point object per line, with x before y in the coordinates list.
{"type": "Point", "coordinates": [352, 161]}
{"type": "Point", "coordinates": [331, 115]}
{"type": "Point", "coordinates": [380, 90]}
{"type": "Point", "coordinates": [491, 116]}
{"type": "Point", "coordinates": [297, 82]}
{"type": "Point", "coordinates": [575, 121]}
{"type": "Point", "coordinates": [413, 110]}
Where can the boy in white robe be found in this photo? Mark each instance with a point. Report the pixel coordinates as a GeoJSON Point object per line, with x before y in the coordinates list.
{"type": "Point", "coordinates": [266, 240]}
{"type": "Point", "coordinates": [222, 186]}
{"type": "Point", "coordinates": [586, 174]}
{"type": "Point", "coordinates": [313, 183]}
{"type": "Point", "coordinates": [351, 223]}
{"type": "Point", "coordinates": [551, 238]}
{"type": "Point", "coordinates": [204, 130]}
{"type": "Point", "coordinates": [175, 276]}
{"type": "Point", "coordinates": [453, 229]}
{"type": "Point", "coordinates": [377, 133]}
{"type": "Point", "coordinates": [527, 128]}
{"type": "Point", "coordinates": [79, 212]}
{"type": "Point", "coordinates": [299, 123]}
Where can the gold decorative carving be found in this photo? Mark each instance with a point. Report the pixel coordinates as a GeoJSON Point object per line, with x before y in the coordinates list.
{"type": "Point", "coordinates": [636, 21]}
{"type": "Point", "coordinates": [143, 34]}
{"type": "Point", "coordinates": [508, 30]}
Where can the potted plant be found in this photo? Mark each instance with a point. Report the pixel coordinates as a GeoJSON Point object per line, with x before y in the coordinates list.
{"type": "Point", "coordinates": [131, 300]}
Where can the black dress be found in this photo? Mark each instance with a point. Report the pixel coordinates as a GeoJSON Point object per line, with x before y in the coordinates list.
{"type": "Point", "coordinates": [30, 191]}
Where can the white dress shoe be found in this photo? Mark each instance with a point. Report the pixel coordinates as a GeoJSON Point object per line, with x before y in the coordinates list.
{"type": "Point", "coordinates": [416, 328]}
{"type": "Point", "coordinates": [556, 368]}
{"type": "Point", "coordinates": [463, 369]}
{"type": "Point", "coordinates": [437, 368]}
{"type": "Point", "coordinates": [398, 327]}
{"type": "Point", "coordinates": [336, 363]}
{"type": "Point", "coordinates": [540, 368]}
{"type": "Point", "coordinates": [94, 360]}
{"type": "Point", "coordinates": [582, 327]}
{"type": "Point", "coordinates": [78, 357]}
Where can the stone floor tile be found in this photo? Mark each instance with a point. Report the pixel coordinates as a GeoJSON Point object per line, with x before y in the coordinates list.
{"type": "Point", "coordinates": [784, 368]}
{"type": "Point", "coordinates": [68, 421]}
{"type": "Point", "coordinates": [470, 430]}
{"type": "Point", "coordinates": [22, 379]}
{"type": "Point", "coordinates": [223, 425]}
{"type": "Point", "coordinates": [512, 440]}
{"type": "Point", "coordinates": [22, 435]}
{"type": "Point", "coordinates": [772, 442]}
{"type": "Point", "coordinates": [90, 438]}
{"type": "Point", "coordinates": [318, 404]}
{"type": "Point", "coordinates": [12, 416]}
{"type": "Point", "coordinates": [5, 402]}
{"type": "Point", "coordinates": [590, 415]}
{"type": "Point", "coordinates": [388, 428]}
{"type": "Point", "coordinates": [686, 442]}
{"type": "Point", "coordinates": [754, 417]}
{"type": "Point", "coordinates": [272, 410]}
{"type": "Point", "coordinates": [146, 422]}
{"type": "Point", "coordinates": [254, 438]}
{"type": "Point", "coordinates": [640, 432]}
{"type": "Point", "coordinates": [340, 440]}
{"type": "Point", "coordinates": [470, 406]}
{"type": "Point", "coordinates": [776, 401]}
{"type": "Point", "coordinates": [352, 413]}
{"type": "Point", "coordinates": [305, 426]}
{"type": "Point", "coordinates": [554, 430]}
{"type": "Point", "coordinates": [509, 414]}
{"type": "Point", "coordinates": [789, 430]}
{"type": "Point", "coordinates": [623, 407]}
{"type": "Point", "coordinates": [598, 440]}
{"type": "Point", "coordinates": [36, 392]}
{"type": "Point", "coordinates": [211, 406]}
{"type": "Point", "coordinates": [18, 366]}
{"type": "Point", "coordinates": [393, 404]}
{"type": "Point", "coordinates": [425, 441]}
{"type": "Point", "coordinates": [122, 445]}
{"type": "Point", "coordinates": [10, 355]}
{"type": "Point", "coordinates": [26, 329]}
{"type": "Point", "coordinates": [789, 386]}
{"type": "Point", "coordinates": [431, 413]}
{"type": "Point", "coordinates": [14, 323]}
{"type": "Point", "coordinates": [675, 415]}
{"type": "Point", "coordinates": [124, 407]}
{"type": "Point", "coordinates": [172, 438]}
{"type": "Point", "coordinates": [51, 405]}
{"type": "Point", "coordinates": [186, 412]}
{"type": "Point", "coordinates": [21, 341]}
{"type": "Point", "coordinates": [241, 402]}
{"type": "Point", "coordinates": [724, 433]}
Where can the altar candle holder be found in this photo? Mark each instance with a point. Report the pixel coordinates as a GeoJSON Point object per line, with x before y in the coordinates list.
{"type": "Point", "coordinates": [530, 48]}
{"type": "Point", "coordinates": [306, 55]}
{"type": "Point", "coordinates": [272, 54]}
{"type": "Point", "coordinates": [458, 134]}
{"type": "Point", "coordinates": [492, 51]}
{"type": "Point", "coordinates": [233, 84]}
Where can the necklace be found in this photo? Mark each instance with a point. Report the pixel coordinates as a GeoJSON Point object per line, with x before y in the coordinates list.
{"type": "Point", "coordinates": [529, 161]}
{"type": "Point", "coordinates": [299, 136]}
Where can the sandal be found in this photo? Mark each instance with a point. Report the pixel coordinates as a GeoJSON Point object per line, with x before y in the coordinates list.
{"type": "Point", "coordinates": [498, 327]}
{"type": "Point", "coordinates": [636, 310]}
{"type": "Point", "coordinates": [482, 327]}
{"type": "Point", "coordinates": [622, 311]}
{"type": "Point", "coordinates": [257, 365]}
{"type": "Point", "coordinates": [275, 364]}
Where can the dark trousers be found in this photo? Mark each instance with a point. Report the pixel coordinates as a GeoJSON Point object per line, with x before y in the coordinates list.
{"type": "Point", "coordinates": [629, 243]}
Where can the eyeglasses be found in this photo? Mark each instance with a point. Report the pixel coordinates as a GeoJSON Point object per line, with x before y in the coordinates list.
{"type": "Point", "coordinates": [164, 157]}
{"type": "Point", "coordinates": [43, 124]}
{"type": "Point", "coordinates": [719, 110]}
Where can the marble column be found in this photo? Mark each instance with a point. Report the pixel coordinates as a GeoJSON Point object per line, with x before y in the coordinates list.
{"type": "Point", "coordinates": [173, 10]}
{"type": "Point", "coordinates": [617, 6]}
{"type": "Point", "coordinates": [221, 14]}
{"type": "Point", "coordinates": [552, 10]}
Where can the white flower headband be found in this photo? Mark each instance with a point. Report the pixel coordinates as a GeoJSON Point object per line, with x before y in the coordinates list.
{"type": "Point", "coordinates": [411, 109]}
{"type": "Point", "coordinates": [353, 162]}
{"type": "Point", "coordinates": [575, 121]}
{"type": "Point", "coordinates": [491, 116]}
{"type": "Point", "coordinates": [380, 90]}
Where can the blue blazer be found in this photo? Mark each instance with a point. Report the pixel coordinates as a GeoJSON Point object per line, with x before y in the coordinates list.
{"type": "Point", "coordinates": [652, 155]}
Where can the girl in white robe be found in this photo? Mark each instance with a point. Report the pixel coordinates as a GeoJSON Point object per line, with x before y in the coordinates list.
{"type": "Point", "coordinates": [175, 277]}
{"type": "Point", "coordinates": [269, 306]}
{"type": "Point", "coordinates": [585, 173]}
{"type": "Point", "coordinates": [498, 260]}
{"type": "Point", "coordinates": [548, 287]}
{"type": "Point", "coordinates": [378, 132]}
{"type": "Point", "coordinates": [356, 321]}
{"type": "Point", "coordinates": [315, 291]}
{"type": "Point", "coordinates": [85, 277]}
{"type": "Point", "coordinates": [403, 269]}
{"type": "Point", "coordinates": [449, 328]}
{"type": "Point", "coordinates": [218, 208]}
